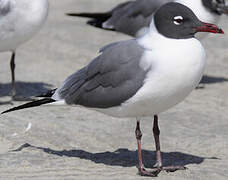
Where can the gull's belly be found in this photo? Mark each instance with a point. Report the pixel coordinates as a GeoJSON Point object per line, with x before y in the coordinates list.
{"type": "Point", "coordinates": [161, 94]}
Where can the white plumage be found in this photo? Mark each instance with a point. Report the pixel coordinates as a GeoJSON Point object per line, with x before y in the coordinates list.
{"type": "Point", "coordinates": [22, 20]}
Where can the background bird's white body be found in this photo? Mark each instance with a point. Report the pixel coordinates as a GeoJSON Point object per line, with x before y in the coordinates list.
{"type": "Point", "coordinates": [202, 13]}
{"type": "Point", "coordinates": [23, 19]}
{"type": "Point", "coordinates": [175, 69]}
{"type": "Point", "coordinates": [200, 10]}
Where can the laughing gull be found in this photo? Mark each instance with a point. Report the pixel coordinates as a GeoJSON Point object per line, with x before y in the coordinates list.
{"type": "Point", "coordinates": [19, 21]}
{"type": "Point", "coordinates": [141, 77]}
{"type": "Point", "coordinates": [134, 17]}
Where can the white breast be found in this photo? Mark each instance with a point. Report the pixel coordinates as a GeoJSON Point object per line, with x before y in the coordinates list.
{"type": "Point", "coordinates": [176, 67]}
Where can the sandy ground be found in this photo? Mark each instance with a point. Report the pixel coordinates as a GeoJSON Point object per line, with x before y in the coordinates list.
{"type": "Point", "coordinates": [67, 143]}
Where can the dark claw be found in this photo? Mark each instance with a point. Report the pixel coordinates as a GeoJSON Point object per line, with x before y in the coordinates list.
{"type": "Point", "coordinates": [155, 172]}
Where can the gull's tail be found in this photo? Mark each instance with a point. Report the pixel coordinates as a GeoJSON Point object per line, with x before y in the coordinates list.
{"type": "Point", "coordinates": [97, 18]}
{"type": "Point", "coordinates": [46, 100]}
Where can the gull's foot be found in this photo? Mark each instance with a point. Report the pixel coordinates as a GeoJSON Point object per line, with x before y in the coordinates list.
{"type": "Point", "coordinates": [156, 171]}
{"type": "Point", "coordinates": [153, 173]}
{"type": "Point", "coordinates": [173, 168]}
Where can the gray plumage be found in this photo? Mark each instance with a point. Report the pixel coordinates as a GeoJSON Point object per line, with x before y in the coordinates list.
{"type": "Point", "coordinates": [109, 80]}
{"type": "Point", "coordinates": [128, 17]}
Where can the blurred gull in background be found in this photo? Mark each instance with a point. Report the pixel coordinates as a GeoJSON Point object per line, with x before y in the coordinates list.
{"type": "Point", "coordinates": [20, 20]}
{"type": "Point", "coordinates": [134, 17]}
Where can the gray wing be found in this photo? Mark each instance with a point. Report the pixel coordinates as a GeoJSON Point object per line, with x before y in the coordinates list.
{"type": "Point", "coordinates": [133, 16]}
{"type": "Point", "coordinates": [5, 7]}
{"type": "Point", "coordinates": [109, 80]}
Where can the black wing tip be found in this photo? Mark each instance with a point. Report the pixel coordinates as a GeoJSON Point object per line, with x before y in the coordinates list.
{"type": "Point", "coordinates": [4, 112]}
{"type": "Point", "coordinates": [47, 99]}
{"type": "Point", "coordinates": [12, 109]}
{"type": "Point", "coordinates": [30, 104]}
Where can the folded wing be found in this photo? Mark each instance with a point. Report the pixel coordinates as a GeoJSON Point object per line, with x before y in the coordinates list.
{"type": "Point", "coordinates": [109, 80]}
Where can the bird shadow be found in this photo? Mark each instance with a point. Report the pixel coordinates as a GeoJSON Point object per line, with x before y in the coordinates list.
{"type": "Point", "coordinates": [124, 157]}
{"type": "Point", "coordinates": [211, 79]}
{"type": "Point", "coordinates": [24, 89]}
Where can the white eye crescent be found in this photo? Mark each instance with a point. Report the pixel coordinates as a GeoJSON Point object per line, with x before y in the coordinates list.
{"type": "Point", "coordinates": [178, 20]}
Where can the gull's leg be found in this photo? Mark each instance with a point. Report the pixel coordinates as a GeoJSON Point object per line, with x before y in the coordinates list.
{"type": "Point", "coordinates": [156, 133]}
{"type": "Point", "coordinates": [142, 170]}
{"type": "Point", "coordinates": [12, 67]}
{"type": "Point", "coordinates": [159, 165]}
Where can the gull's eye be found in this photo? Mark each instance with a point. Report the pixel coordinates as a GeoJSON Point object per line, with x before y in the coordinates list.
{"type": "Point", "coordinates": [178, 20]}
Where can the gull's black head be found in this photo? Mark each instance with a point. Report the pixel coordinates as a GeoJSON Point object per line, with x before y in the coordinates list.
{"type": "Point", "coordinates": [176, 21]}
{"type": "Point", "coordinates": [216, 6]}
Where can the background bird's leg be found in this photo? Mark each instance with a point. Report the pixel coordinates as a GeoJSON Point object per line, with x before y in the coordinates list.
{"type": "Point", "coordinates": [142, 170]}
{"type": "Point", "coordinates": [12, 67]}
{"type": "Point", "coordinates": [14, 96]}
{"type": "Point", "coordinates": [159, 164]}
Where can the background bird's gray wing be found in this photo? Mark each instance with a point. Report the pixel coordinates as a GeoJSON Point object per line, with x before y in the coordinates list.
{"type": "Point", "coordinates": [109, 80]}
{"type": "Point", "coordinates": [121, 5]}
{"type": "Point", "coordinates": [133, 16]}
{"type": "Point", "coordinates": [5, 7]}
